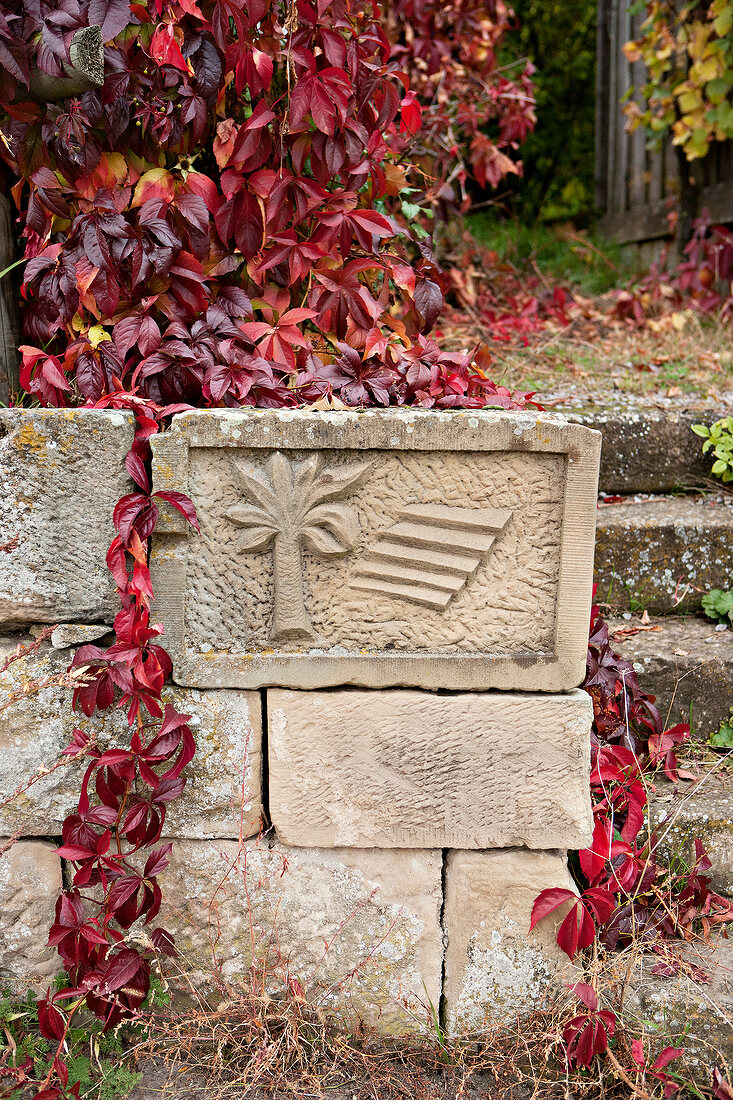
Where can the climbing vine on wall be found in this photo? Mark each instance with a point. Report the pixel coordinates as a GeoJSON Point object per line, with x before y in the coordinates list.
{"type": "Point", "coordinates": [687, 50]}
{"type": "Point", "coordinates": [211, 225]}
{"type": "Point", "coordinates": [626, 893]}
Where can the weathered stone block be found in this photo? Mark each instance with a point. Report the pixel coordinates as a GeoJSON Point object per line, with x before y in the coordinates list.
{"type": "Point", "coordinates": [224, 786]}
{"type": "Point", "coordinates": [360, 930]}
{"type": "Point", "coordinates": [30, 882]}
{"type": "Point", "coordinates": [687, 1013]}
{"type": "Point", "coordinates": [688, 665]}
{"type": "Point", "coordinates": [61, 474]}
{"type": "Point", "coordinates": [681, 816]}
{"type": "Point", "coordinates": [651, 450]}
{"type": "Point", "coordinates": [494, 967]}
{"type": "Point", "coordinates": [662, 554]}
{"type": "Point", "coordinates": [374, 548]}
{"type": "Point", "coordinates": [409, 769]}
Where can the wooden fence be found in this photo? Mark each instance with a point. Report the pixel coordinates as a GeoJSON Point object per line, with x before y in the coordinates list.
{"type": "Point", "coordinates": [635, 186]}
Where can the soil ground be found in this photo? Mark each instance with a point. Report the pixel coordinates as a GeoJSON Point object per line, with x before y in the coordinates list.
{"type": "Point", "coordinates": [596, 360]}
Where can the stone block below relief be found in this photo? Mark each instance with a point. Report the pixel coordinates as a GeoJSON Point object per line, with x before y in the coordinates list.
{"type": "Point", "coordinates": [30, 882]}
{"type": "Point", "coordinates": [359, 930]}
{"type": "Point", "coordinates": [495, 968]}
{"type": "Point", "coordinates": [223, 792]}
{"type": "Point", "coordinates": [376, 548]}
{"type": "Point", "coordinates": [412, 769]}
{"type": "Point", "coordinates": [61, 474]}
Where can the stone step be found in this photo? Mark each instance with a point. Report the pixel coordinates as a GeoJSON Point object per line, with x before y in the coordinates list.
{"type": "Point", "coordinates": [682, 814]}
{"type": "Point", "coordinates": [684, 1012]}
{"type": "Point", "coordinates": [649, 445]}
{"type": "Point", "coordinates": [663, 554]}
{"type": "Point", "coordinates": [687, 664]}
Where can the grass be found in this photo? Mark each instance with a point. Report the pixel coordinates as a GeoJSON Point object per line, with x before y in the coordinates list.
{"type": "Point", "coordinates": [565, 255]}
{"type": "Point", "coordinates": [592, 360]}
{"type": "Point", "coordinates": [597, 355]}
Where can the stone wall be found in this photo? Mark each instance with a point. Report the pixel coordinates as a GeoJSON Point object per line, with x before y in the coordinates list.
{"type": "Point", "coordinates": [379, 634]}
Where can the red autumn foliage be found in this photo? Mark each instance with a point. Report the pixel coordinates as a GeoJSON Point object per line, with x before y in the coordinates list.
{"type": "Point", "coordinates": [626, 892]}
{"type": "Point", "coordinates": [587, 1034]}
{"type": "Point", "coordinates": [210, 226]}
{"type": "Point", "coordinates": [702, 280]}
{"type": "Point", "coordinates": [469, 114]}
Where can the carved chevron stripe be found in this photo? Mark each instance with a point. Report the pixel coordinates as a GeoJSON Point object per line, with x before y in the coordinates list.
{"type": "Point", "coordinates": [430, 554]}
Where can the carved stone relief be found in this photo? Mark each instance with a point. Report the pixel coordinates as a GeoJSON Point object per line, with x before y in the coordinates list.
{"type": "Point", "coordinates": [289, 506]}
{"type": "Point", "coordinates": [372, 548]}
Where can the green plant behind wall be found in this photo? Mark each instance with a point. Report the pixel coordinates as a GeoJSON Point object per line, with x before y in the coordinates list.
{"type": "Point", "coordinates": [723, 737]}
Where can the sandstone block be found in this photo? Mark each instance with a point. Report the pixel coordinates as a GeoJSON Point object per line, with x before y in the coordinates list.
{"type": "Point", "coordinates": [494, 967]}
{"type": "Point", "coordinates": [30, 882]}
{"type": "Point", "coordinates": [61, 474]}
{"type": "Point", "coordinates": [374, 548]}
{"type": "Point", "coordinates": [224, 786]}
{"type": "Point", "coordinates": [410, 769]}
{"type": "Point", "coordinates": [359, 930]}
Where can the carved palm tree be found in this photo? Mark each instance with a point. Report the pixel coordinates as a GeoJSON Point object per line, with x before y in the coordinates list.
{"type": "Point", "coordinates": [288, 507]}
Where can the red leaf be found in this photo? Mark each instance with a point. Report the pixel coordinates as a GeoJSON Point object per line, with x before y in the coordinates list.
{"type": "Point", "coordinates": [668, 1055]}
{"type": "Point", "coordinates": [122, 969]}
{"type": "Point", "coordinates": [158, 861]}
{"type": "Point", "coordinates": [182, 504]}
{"type": "Point", "coordinates": [165, 50]}
{"type": "Point", "coordinates": [548, 901]}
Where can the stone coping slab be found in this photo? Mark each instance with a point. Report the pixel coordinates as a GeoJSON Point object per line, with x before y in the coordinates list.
{"type": "Point", "coordinates": [410, 769]}
{"type": "Point", "coordinates": [374, 548]}
{"type": "Point", "coordinates": [61, 474]}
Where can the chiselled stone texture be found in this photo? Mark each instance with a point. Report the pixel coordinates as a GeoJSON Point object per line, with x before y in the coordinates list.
{"type": "Point", "coordinates": [30, 882]}
{"type": "Point", "coordinates": [410, 769]}
{"type": "Point", "coordinates": [373, 548]}
{"type": "Point", "coordinates": [61, 474]}
{"type": "Point", "coordinates": [494, 967]}
{"type": "Point", "coordinates": [360, 930]}
{"type": "Point", "coordinates": [223, 789]}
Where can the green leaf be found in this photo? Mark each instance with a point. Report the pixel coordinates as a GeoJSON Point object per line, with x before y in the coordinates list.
{"type": "Point", "coordinates": [723, 738]}
{"type": "Point", "coordinates": [724, 22]}
{"type": "Point", "coordinates": [410, 209]}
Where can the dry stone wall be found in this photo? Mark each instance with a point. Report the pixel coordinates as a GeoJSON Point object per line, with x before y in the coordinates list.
{"type": "Point", "coordinates": [388, 608]}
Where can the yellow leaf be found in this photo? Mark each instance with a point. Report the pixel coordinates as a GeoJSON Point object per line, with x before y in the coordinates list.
{"type": "Point", "coordinates": [690, 100]}
{"type": "Point", "coordinates": [97, 335]}
{"type": "Point", "coordinates": [707, 69]}
{"type": "Point", "coordinates": [699, 35]}
{"type": "Point", "coordinates": [724, 21]}
{"type": "Point", "coordinates": [158, 183]}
